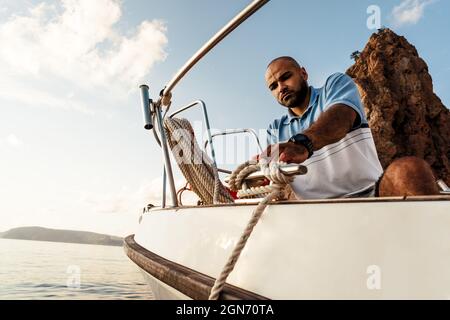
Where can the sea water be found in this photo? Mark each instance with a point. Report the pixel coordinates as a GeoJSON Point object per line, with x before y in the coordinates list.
{"type": "Point", "coordinates": [50, 270]}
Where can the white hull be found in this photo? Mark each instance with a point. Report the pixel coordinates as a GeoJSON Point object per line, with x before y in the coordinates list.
{"type": "Point", "coordinates": [374, 249]}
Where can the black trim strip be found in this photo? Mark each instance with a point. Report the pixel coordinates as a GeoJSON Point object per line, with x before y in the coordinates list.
{"type": "Point", "coordinates": [187, 281]}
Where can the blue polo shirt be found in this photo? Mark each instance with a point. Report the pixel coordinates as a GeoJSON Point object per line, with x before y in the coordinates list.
{"type": "Point", "coordinates": [343, 169]}
{"type": "Point", "coordinates": [339, 88]}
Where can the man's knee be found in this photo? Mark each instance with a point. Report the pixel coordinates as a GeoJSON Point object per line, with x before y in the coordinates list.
{"type": "Point", "coordinates": [408, 176]}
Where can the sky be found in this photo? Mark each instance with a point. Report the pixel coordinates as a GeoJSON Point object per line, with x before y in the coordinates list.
{"type": "Point", "coordinates": [73, 151]}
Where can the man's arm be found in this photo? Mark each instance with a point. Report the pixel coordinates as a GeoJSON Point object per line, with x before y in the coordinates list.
{"type": "Point", "coordinates": [332, 126]}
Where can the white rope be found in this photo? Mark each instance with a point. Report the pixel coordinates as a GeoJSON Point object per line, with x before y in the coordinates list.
{"type": "Point", "coordinates": [280, 181]}
{"type": "Point", "coordinates": [254, 192]}
{"type": "Point", "coordinates": [202, 175]}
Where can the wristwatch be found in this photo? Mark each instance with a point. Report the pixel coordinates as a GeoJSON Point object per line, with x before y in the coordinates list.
{"type": "Point", "coordinates": [304, 141]}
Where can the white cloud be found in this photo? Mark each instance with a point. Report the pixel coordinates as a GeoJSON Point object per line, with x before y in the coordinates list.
{"type": "Point", "coordinates": [409, 12]}
{"type": "Point", "coordinates": [13, 141]}
{"type": "Point", "coordinates": [133, 201]}
{"type": "Point", "coordinates": [75, 46]}
{"type": "Point", "coordinates": [20, 92]}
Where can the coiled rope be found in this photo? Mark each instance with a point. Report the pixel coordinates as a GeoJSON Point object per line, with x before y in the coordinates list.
{"type": "Point", "coordinates": [196, 166]}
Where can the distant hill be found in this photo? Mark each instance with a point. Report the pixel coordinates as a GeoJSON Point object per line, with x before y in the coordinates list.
{"type": "Point", "coordinates": [68, 236]}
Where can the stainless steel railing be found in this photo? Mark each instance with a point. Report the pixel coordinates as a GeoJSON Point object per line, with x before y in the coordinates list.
{"type": "Point", "coordinates": [153, 110]}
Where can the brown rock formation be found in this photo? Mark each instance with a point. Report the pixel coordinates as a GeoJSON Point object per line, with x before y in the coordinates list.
{"type": "Point", "coordinates": [405, 115]}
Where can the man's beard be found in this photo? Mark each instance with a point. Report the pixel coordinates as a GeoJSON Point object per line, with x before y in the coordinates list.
{"type": "Point", "coordinates": [297, 98]}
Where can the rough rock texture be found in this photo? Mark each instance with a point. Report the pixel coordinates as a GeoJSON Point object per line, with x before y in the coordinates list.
{"type": "Point", "coordinates": [405, 115]}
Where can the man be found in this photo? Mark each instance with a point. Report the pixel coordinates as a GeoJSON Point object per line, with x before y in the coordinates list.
{"type": "Point", "coordinates": [326, 130]}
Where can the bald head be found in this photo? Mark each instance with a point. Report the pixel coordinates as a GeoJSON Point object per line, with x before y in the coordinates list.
{"type": "Point", "coordinates": [285, 58]}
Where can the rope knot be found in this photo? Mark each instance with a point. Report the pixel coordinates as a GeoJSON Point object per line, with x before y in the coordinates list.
{"type": "Point", "coordinates": [272, 171]}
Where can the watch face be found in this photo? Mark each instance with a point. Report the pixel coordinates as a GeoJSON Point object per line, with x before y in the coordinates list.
{"type": "Point", "coordinates": [301, 139]}
{"type": "Point", "coordinates": [304, 141]}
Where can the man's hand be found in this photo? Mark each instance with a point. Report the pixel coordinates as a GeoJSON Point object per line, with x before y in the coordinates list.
{"type": "Point", "coordinates": [288, 152]}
